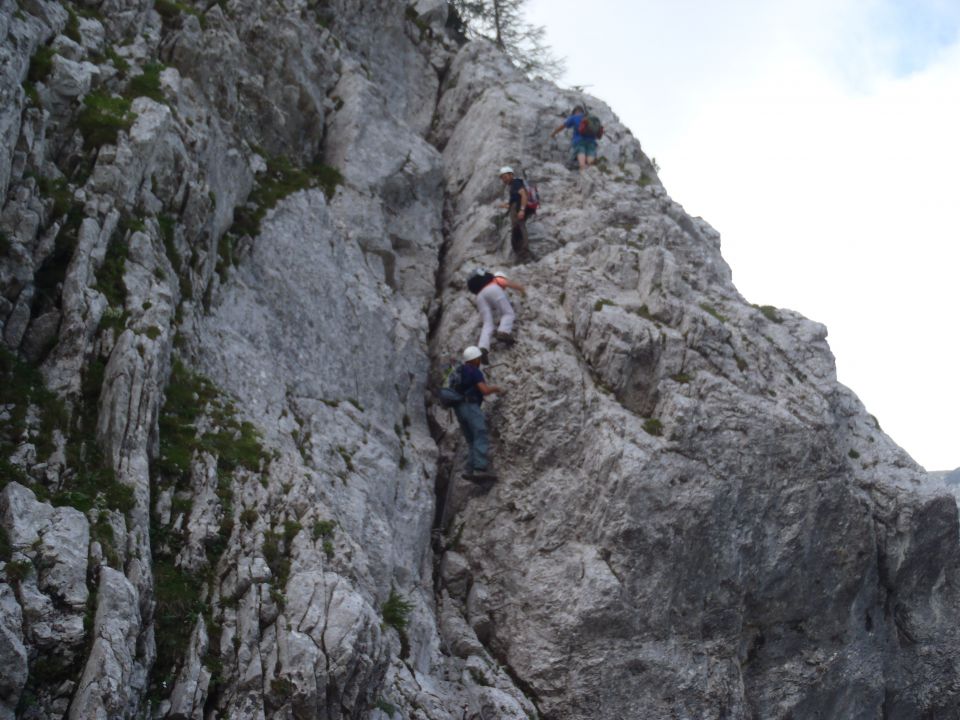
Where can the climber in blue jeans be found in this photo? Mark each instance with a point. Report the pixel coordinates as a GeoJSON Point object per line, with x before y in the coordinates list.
{"type": "Point", "coordinates": [474, 387]}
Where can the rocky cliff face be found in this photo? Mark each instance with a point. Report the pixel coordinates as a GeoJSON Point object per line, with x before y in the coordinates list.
{"type": "Point", "coordinates": [234, 243]}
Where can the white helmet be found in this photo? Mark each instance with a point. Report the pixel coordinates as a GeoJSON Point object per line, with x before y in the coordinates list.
{"type": "Point", "coordinates": [499, 273]}
{"type": "Point", "coordinates": [506, 169]}
{"type": "Point", "coordinates": [472, 353]}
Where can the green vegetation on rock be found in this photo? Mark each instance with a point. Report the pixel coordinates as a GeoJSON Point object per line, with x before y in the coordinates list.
{"type": "Point", "coordinates": [396, 614]}
{"type": "Point", "coordinates": [57, 189]}
{"type": "Point", "coordinates": [770, 313]}
{"type": "Point", "coordinates": [710, 310]}
{"type": "Point", "coordinates": [41, 64]}
{"type": "Point", "coordinates": [53, 270]}
{"type": "Point", "coordinates": [110, 275]}
{"type": "Point", "coordinates": [121, 65]}
{"type": "Point", "coordinates": [170, 12]}
{"type": "Point", "coordinates": [281, 178]}
{"type": "Point", "coordinates": [72, 30]}
{"type": "Point", "coordinates": [653, 427]}
{"type": "Point", "coordinates": [147, 84]}
{"type": "Point", "coordinates": [196, 418]}
{"type": "Point", "coordinates": [396, 611]}
{"type": "Point", "coordinates": [102, 118]}
{"type": "Point", "coordinates": [88, 481]}
{"type": "Point", "coordinates": [179, 598]}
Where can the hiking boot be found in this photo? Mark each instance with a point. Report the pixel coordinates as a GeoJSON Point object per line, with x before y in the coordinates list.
{"type": "Point", "coordinates": [480, 476]}
{"type": "Point", "coordinates": [506, 339]}
{"type": "Point", "coordinates": [484, 356]}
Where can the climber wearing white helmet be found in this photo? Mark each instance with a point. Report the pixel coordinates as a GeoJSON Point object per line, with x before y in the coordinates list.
{"type": "Point", "coordinates": [473, 385]}
{"type": "Point", "coordinates": [519, 198]}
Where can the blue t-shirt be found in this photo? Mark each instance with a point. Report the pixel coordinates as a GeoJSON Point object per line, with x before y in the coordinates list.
{"type": "Point", "coordinates": [574, 122]}
{"type": "Point", "coordinates": [471, 375]}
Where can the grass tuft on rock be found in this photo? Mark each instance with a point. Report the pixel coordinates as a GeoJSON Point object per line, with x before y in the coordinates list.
{"type": "Point", "coordinates": [323, 528]}
{"type": "Point", "coordinates": [41, 65]}
{"type": "Point", "coordinates": [179, 598]}
{"type": "Point", "coordinates": [710, 310]}
{"type": "Point", "coordinates": [281, 178]}
{"type": "Point", "coordinates": [396, 611]}
{"type": "Point", "coordinates": [770, 313]}
{"type": "Point", "coordinates": [72, 30]}
{"type": "Point", "coordinates": [119, 63]}
{"type": "Point", "coordinates": [21, 388]}
{"type": "Point", "coordinates": [653, 427]}
{"type": "Point", "coordinates": [396, 614]}
{"type": "Point", "coordinates": [147, 84]}
{"type": "Point", "coordinates": [110, 275]}
{"type": "Point", "coordinates": [57, 189]}
{"type": "Point", "coordinates": [102, 118]}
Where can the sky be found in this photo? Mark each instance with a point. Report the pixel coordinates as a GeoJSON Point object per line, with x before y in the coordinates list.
{"type": "Point", "coordinates": [822, 140]}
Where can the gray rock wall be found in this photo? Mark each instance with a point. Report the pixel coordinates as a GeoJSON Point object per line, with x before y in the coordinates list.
{"type": "Point", "coordinates": [693, 518]}
{"type": "Point", "coordinates": [234, 244]}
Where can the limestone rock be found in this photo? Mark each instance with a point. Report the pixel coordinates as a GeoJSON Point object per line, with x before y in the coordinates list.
{"type": "Point", "coordinates": [186, 700]}
{"type": "Point", "coordinates": [455, 573]}
{"type": "Point", "coordinates": [433, 12]}
{"type": "Point", "coordinates": [40, 336]}
{"type": "Point", "coordinates": [44, 613]}
{"type": "Point", "coordinates": [105, 684]}
{"type": "Point", "coordinates": [13, 654]}
{"type": "Point", "coordinates": [71, 79]}
{"type": "Point", "coordinates": [240, 304]}
{"type": "Point", "coordinates": [697, 415]}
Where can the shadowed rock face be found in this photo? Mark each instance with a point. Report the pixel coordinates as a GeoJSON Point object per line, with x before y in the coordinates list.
{"type": "Point", "coordinates": [224, 495]}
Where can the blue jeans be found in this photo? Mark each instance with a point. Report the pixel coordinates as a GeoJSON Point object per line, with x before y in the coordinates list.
{"type": "Point", "coordinates": [474, 428]}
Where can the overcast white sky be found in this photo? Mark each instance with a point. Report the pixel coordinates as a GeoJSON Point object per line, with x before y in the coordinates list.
{"type": "Point", "coordinates": [822, 140]}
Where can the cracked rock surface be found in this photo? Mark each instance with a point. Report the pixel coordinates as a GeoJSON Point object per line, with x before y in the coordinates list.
{"type": "Point", "coordinates": [233, 249]}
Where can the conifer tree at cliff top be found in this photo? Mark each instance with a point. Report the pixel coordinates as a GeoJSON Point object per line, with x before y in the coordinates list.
{"type": "Point", "coordinates": [501, 21]}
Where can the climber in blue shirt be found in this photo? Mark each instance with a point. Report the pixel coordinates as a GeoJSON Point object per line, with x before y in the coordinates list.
{"type": "Point", "coordinates": [582, 146]}
{"type": "Point", "coordinates": [473, 385]}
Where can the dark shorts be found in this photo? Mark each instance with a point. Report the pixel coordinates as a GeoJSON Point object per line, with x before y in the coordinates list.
{"type": "Point", "coordinates": [586, 146]}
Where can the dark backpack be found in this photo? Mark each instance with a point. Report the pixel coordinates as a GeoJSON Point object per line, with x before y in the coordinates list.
{"type": "Point", "coordinates": [591, 127]}
{"type": "Point", "coordinates": [450, 393]}
{"type": "Point", "coordinates": [476, 283]}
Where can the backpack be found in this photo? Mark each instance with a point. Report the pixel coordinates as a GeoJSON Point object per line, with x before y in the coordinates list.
{"type": "Point", "coordinates": [449, 393]}
{"type": "Point", "coordinates": [591, 127]}
{"type": "Point", "coordinates": [533, 196]}
{"type": "Point", "coordinates": [476, 283]}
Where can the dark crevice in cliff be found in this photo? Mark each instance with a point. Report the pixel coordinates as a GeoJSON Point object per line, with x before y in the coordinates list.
{"type": "Point", "coordinates": [443, 479]}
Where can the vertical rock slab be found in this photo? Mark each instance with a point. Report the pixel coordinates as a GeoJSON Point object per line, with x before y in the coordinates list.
{"type": "Point", "coordinates": [13, 653]}
{"type": "Point", "coordinates": [104, 687]}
